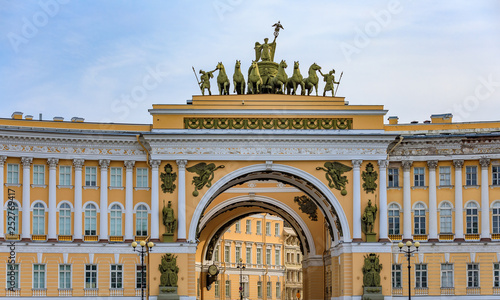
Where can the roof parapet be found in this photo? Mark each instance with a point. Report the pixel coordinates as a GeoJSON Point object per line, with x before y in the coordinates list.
{"type": "Point", "coordinates": [442, 118]}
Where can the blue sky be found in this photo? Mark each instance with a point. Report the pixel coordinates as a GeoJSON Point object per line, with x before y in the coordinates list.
{"type": "Point", "coordinates": [111, 60]}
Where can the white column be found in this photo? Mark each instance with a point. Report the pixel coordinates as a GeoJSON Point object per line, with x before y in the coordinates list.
{"type": "Point", "coordinates": [155, 211]}
{"type": "Point", "coordinates": [129, 200]}
{"type": "Point", "coordinates": [181, 201]}
{"type": "Point", "coordinates": [52, 236]}
{"type": "Point", "coordinates": [356, 201]}
{"type": "Point", "coordinates": [2, 203]}
{"type": "Point", "coordinates": [383, 222]}
{"type": "Point", "coordinates": [77, 227]}
{"type": "Point", "coordinates": [433, 223]}
{"type": "Point", "coordinates": [103, 226]}
{"type": "Point", "coordinates": [407, 200]}
{"type": "Point", "coordinates": [485, 200]}
{"type": "Point", "coordinates": [459, 207]}
{"type": "Point", "coordinates": [26, 230]}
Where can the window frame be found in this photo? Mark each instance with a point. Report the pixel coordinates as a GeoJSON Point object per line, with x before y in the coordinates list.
{"type": "Point", "coordinates": [421, 276]}
{"type": "Point", "coordinates": [420, 219]}
{"type": "Point", "coordinates": [449, 275]}
{"type": "Point", "coordinates": [38, 219]}
{"type": "Point", "coordinates": [17, 275]}
{"type": "Point", "coordinates": [39, 283]}
{"type": "Point", "coordinates": [471, 175]}
{"type": "Point", "coordinates": [65, 176]}
{"type": "Point", "coordinates": [118, 276]}
{"type": "Point", "coordinates": [496, 274]}
{"type": "Point", "coordinates": [91, 176]}
{"type": "Point", "coordinates": [65, 281]}
{"type": "Point", "coordinates": [142, 221]}
{"type": "Point", "coordinates": [11, 172]}
{"type": "Point", "coordinates": [138, 277]}
{"type": "Point", "coordinates": [38, 174]}
{"type": "Point", "coordinates": [142, 177]}
{"type": "Point", "coordinates": [116, 177]}
{"type": "Point", "coordinates": [473, 275]}
{"type": "Point", "coordinates": [419, 176]}
{"type": "Point", "coordinates": [276, 229]}
{"type": "Point", "coordinates": [495, 175]}
{"type": "Point", "coordinates": [445, 220]}
{"type": "Point", "coordinates": [395, 275]}
{"type": "Point", "coordinates": [471, 218]}
{"type": "Point", "coordinates": [394, 227]}
{"type": "Point", "coordinates": [445, 177]}
{"type": "Point", "coordinates": [87, 283]}
{"type": "Point", "coordinates": [90, 220]}
{"type": "Point", "coordinates": [495, 217]}
{"type": "Point", "coordinates": [115, 214]}
{"type": "Point", "coordinates": [248, 226]}
{"type": "Point", "coordinates": [258, 227]}
{"type": "Point", "coordinates": [393, 177]}
{"type": "Point", "coordinates": [64, 209]}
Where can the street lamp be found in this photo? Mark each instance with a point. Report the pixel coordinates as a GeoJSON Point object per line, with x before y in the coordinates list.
{"type": "Point", "coordinates": [241, 266]}
{"type": "Point", "coordinates": [145, 248]}
{"type": "Point", "coordinates": [408, 252]}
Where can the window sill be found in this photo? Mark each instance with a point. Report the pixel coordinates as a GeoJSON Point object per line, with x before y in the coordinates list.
{"type": "Point", "coordinates": [446, 186]}
{"type": "Point", "coordinates": [419, 187]}
{"type": "Point", "coordinates": [494, 186]}
{"type": "Point", "coordinates": [38, 186]}
{"type": "Point", "coordinates": [13, 184]}
{"type": "Point", "coordinates": [471, 187]}
{"type": "Point", "coordinates": [65, 187]}
{"type": "Point", "coordinates": [394, 188]}
{"type": "Point", "coordinates": [90, 187]}
{"type": "Point", "coordinates": [116, 188]}
{"type": "Point", "coordinates": [141, 188]}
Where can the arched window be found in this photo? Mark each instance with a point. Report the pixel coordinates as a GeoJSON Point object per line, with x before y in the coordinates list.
{"type": "Point", "coordinates": [90, 219]}
{"type": "Point", "coordinates": [116, 220]}
{"type": "Point", "coordinates": [394, 219]}
{"type": "Point", "coordinates": [472, 222]}
{"type": "Point", "coordinates": [141, 221]}
{"type": "Point", "coordinates": [496, 217]}
{"type": "Point", "coordinates": [39, 219]}
{"type": "Point", "coordinates": [13, 218]}
{"type": "Point", "coordinates": [445, 221]}
{"type": "Point", "coordinates": [419, 219]}
{"type": "Point", "coordinates": [65, 219]}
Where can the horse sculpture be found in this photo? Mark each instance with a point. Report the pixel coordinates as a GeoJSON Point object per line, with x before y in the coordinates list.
{"type": "Point", "coordinates": [279, 81]}
{"type": "Point", "coordinates": [254, 79]}
{"type": "Point", "coordinates": [295, 80]}
{"type": "Point", "coordinates": [312, 80]}
{"type": "Point", "coordinates": [222, 80]}
{"type": "Point", "coordinates": [238, 79]}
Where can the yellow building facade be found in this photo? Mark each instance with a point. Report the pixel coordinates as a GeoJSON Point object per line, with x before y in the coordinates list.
{"type": "Point", "coordinates": [76, 194]}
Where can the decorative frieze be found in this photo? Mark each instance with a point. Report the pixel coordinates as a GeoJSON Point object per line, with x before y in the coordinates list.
{"type": "Point", "coordinates": [268, 123]}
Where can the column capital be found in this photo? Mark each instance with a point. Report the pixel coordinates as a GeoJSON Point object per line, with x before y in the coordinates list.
{"type": "Point", "coordinates": [52, 162]}
{"type": "Point", "coordinates": [26, 161]}
{"type": "Point", "coordinates": [155, 163]}
{"type": "Point", "coordinates": [3, 158]}
{"type": "Point", "coordinates": [406, 164]}
{"type": "Point", "coordinates": [78, 163]}
{"type": "Point", "coordinates": [129, 164]}
{"type": "Point", "coordinates": [356, 163]}
{"type": "Point", "coordinates": [459, 163]}
{"type": "Point", "coordinates": [484, 162]}
{"type": "Point", "coordinates": [383, 163]}
{"type": "Point", "coordinates": [104, 163]}
{"type": "Point", "coordinates": [181, 163]}
{"type": "Point", "coordinates": [432, 164]}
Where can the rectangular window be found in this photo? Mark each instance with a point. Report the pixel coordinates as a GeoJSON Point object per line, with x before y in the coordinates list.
{"type": "Point", "coordinates": [115, 177]}
{"type": "Point", "coordinates": [249, 255]}
{"type": "Point", "coordinates": [393, 220]}
{"type": "Point", "coordinates": [496, 275]}
{"type": "Point", "coordinates": [90, 276]}
{"type": "Point", "coordinates": [12, 276]}
{"type": "Point", "coordinates": [473, 275]}
{"type": "Point", "coordinates": [393, 177]}
{"type": "Point", "coordinates": [496, 219]}
{"type": "Point", "coordinates": [495, 174]}
{"type": "Point", "coordinates": [259, 227]}
{"type": "Point", "coordinates": [142, 177]}
{"type": "Point", "coordinates": [248, 226]}
{"type": "Point", "coordinates": [38, 174]}
{"type": "Point", "coordinates": [420, 275]}
{"type": "Point", "coordinates": [64, 276]}
{"type": "Point", "coordinates": [259, 289]}
{"type": "Point", "coordinates": [237, 253]}
{"type": "Point", "coordinates": [277, 257]}
{"type": "Point", "coordinates": [227, 253]}
{"type": "Point", "coordinates": [396, 276]}
{"type": "Point", "coordinates": [470, 175]}
{"type": "Point", "coordinates": [90, 176]}
{"type": "Point", "coordinates": [138, 277]}
{"type": "Point", "coordinates": [216, 289]}
{"type": "Point", "coordinates": [276, 229]}
{"type": "Point", "coordinates": [278, 290]}
{"type": "Point", "coordinates": [419, 221]}
{"type": "Point", "coordinates": [237, 227]}
{"type": "Point", "coordinates": [116, 276]}
{"type": "Point", "coordinates": [268, 257]}
{"type": "Point", "coordinates": [65, 175]}
{"type": "Point", "coordinates": [446, 275]}
{"type": "Point", "coordinates": [38, 276]}
{"type": "Point", "coordinates": [419, 176]}
{"type": "Point", "coordinates": [268, 228]}
{"type": "Point", "coordinates": [259, 256]}
{"type": "Point", "coordinates": [269, 292]}
{"type": "Point", "coordinates": [444, 175]}
{"type": "Point", "coordinates": [228, 289]}
{"type": "Point", "coordinates": [13, 173]}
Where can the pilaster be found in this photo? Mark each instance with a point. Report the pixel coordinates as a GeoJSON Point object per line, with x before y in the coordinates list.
{"type": "Point", "coordinates": [459, 207]}
{"type": "Point", "coordinates": [407, 224]}
{"type": "Point", "coordinates": [77, 235]}
{"type": "Point", "coordinates": [103, 226]}
{"type": "Point", "coordinates": [52, 234]}
{"type": "Point", "coordinates": [485, 200]}
{"type": "Point", "coordinates": [129, 200]}
{"type": "Point", "coordinates": [356, 201]}
{"type": "Point", "coordinates": [155, 231]}
{"type": "Point", "coordinates": [181, 201]}
{"type": "Point", "coordinates": [383, 223]}
{"type": "Point", "coordinates": [26, 217]}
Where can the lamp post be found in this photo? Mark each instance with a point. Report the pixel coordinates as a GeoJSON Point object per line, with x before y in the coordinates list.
{"type": "Point", "coordinates": [241, 266]}
{"type": "Point", "coordinates": [408, 252]}
{"type": "Point", "coordinates": [145, 248]}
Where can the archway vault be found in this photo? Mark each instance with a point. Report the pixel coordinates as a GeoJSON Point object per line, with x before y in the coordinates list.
{"type": "Point", "coordinates": [307, 183]}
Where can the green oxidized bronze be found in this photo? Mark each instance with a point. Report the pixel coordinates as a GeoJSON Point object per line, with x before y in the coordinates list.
{"type": "Point", "coordinates": [330, 81]}
{"type": "Point", "coordinates": [294, 81]}
{"type": "Point", "coordinates": [168, 269]}
{"type": "Point", "coordinates": [238, 79]}
{"type": "Point", "coordinates": [206, 174]}
{"type": "Point", "coordinates": [368, 218]}
{"type": "Point", "coordinates": [254, 79]}
{"type": "Point", "coordinates": [205, 81]}
{"type": "Point", "coordinates": [279, 81]}
{"type": "Point", "coordinates": [334, 171]}
{"type": "Point", "coordinates": [167, 179]}
{"type": "Point", "coordinates": [369, 177]}
{"type": "Point", "coordinates": [312, 80]}
{"type": "Point", "coordinates": [307, 206]}
{"type": "Point", "coordinates": [371, 271]}
{"type": "Point", "coordinates": [268, 123]}
{"type": "Point", "coordinates": [222, 80]}
{"type": "Point", "coordinates": [169, 220]}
